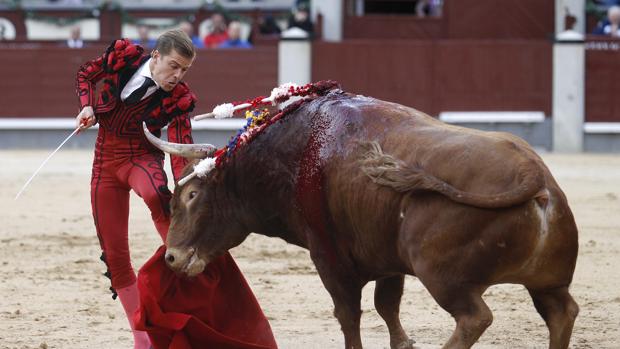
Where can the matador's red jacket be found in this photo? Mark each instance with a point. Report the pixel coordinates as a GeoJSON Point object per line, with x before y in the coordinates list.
{"type": "Point", "coordinates": [114, 68]}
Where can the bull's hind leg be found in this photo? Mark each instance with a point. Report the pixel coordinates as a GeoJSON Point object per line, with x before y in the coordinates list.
{"type": "Point", "coordinates": [559, 310]}
{"type": "Point", "coordinates": [388, 292]}
{"type": "Point", "coordinates": [464, 302]}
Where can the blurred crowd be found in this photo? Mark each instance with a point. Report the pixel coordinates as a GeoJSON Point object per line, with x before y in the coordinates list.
{"type": "Point", "coordinates": [221, 31]}
{"type": "Point", "coordinates": [418, 8]}
{"type": "Point", "coordinates": [610, 24]}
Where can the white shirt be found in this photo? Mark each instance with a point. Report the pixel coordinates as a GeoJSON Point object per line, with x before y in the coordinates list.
{"type": "Point", "coordinates": [607, 30]}
{"type": "Point", "coordinates": [137, 80]}
{"type": "Point", "coordinates": [77, 43]}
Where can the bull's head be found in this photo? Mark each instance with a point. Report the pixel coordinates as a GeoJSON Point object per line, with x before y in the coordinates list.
{"type": "Point", "coordinates": [199, 230]}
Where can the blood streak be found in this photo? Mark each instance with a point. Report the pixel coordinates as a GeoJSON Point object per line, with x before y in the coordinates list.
{"type": "Point", "coordinates": [310, 193]}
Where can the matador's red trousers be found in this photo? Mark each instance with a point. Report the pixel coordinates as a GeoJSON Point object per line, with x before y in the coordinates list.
{"type": "Point", "coordinates": [122, 163]}
{"type": "Point", "coordinates": [215, 309]}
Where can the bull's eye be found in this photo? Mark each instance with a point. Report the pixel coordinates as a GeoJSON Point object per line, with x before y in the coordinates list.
{"type": "Point", "coordinates": [192, 194]}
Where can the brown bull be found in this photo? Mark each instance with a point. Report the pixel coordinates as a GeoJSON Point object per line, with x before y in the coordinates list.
{"type": "Point", "coordinates": [375, 190]}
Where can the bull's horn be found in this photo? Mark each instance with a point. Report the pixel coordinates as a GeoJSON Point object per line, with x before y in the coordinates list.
{"type": "Point", "coordinates": [184, 150]}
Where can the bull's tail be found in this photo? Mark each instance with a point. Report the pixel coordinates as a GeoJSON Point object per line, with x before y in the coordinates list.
{"type": "Point", "coordinates": [386, 170]}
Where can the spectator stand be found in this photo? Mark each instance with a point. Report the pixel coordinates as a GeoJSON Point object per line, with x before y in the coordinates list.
{"type": "Point", "coordinates": [43, 21]}
{"type": "Point", "coordinates": [473, 59]}
{"type": "Point", "coordinates": [596, 11]}
{"type": "Point", "coordinates": [41, 104]}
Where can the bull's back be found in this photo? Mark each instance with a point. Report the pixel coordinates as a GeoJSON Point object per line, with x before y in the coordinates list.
{"type": "Point", "coordinates": [392, 228]}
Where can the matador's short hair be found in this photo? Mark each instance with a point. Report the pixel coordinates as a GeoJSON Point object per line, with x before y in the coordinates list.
{"type": "Point", "coordinates": [178, 40]}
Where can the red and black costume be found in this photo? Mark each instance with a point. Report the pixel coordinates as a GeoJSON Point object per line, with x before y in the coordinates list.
{"type": "Point", "coordinates": [216, 308]}
{"type": "Point", "coordinates": [124, 159]}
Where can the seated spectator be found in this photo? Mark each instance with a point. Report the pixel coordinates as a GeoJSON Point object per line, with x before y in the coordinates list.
{"type": "Point", "coordinates": [143, 37]}
{"type": "Point", "coordinates": [608, 3]}
{"type": "Point", "coordinates": [301, 19]}
{"type": "Point", "coordinates": [428, 8]}
{"type": "Point", "coordinates": [234, 37]}
{"type": "Point", "coordinates": [267, 26]}
{"type": "Point", "coordinates": [188, 28]}
{"type": "Point", "coordinates": [2, 32]}
{"type": "Point", "coordinates": [610, 26]}
{"type": "Point", "coordinates": [218, 33]}
{"type": "Point", "coordinates": [67, 2]}
{"type": "Point", "coordinates": [75, 38]}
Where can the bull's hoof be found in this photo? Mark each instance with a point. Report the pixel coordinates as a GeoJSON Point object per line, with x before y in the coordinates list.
{"type": "Point", "coordinates": [408, 344]}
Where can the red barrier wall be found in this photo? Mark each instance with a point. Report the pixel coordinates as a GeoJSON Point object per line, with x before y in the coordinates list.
{"type": "Point", "coordinates": [602, 79]}
{"type": "Point", "coordinates": [461, 19]}
{"type": "Point", "coordinates": [503, 19]}
{"type": "Point", "coordinates": [40, 82]}
{"type": "Point", "coordinates": [430, 75]}
{"type": "Point", "coordinates": [444, 75]}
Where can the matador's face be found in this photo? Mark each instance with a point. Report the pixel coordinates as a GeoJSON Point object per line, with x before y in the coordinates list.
{"type": "Point", "coordinates": [168, 70]}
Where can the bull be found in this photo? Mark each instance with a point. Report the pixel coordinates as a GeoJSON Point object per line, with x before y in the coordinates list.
{"type": "Point", "coordinates": [376, 191]}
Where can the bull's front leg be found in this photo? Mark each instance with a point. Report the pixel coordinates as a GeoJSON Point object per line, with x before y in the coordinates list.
{"type": "Point", "coordinates": [388, 293]}
{"type": "Point", "coordinates": [346, 292]}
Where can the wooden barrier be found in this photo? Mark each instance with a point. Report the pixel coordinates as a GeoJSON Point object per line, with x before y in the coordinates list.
{"type": "Point", "coordinates": [602, 79]}
{"type": "Point", "coordinates": [461, 19]}
{"type": "Point", "coordinates": [40, 81]}
{"type": "Point", "coordinates": [430, 75]}
{"type": "Point", "coordinates": [505, 19]}
{"type": "Point", "coordinates": [443, 75]}
{"type": "Point", "coordinates": [393, 27]}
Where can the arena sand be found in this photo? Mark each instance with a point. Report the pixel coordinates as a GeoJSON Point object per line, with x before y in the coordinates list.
{"type": "Point", "coordinates": [53, 294]}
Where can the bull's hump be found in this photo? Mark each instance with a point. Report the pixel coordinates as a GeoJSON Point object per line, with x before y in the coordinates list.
{"type": "Point", "coordinates": [342, 100]}
{"type": "Point", "coordinates": [358, 102]}
{"type": "Point", "coordinates": [345, 106]}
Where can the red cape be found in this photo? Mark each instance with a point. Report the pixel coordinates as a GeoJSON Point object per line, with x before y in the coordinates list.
{"type": "Point", "coordinates": [215, 309]}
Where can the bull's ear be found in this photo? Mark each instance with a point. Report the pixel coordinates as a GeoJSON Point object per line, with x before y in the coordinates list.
{"type": "Point", "coordinates": [200, 151]}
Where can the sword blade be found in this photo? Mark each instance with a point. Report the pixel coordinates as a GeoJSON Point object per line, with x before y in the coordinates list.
{"type": "Point", "coordinates": [45, 161]}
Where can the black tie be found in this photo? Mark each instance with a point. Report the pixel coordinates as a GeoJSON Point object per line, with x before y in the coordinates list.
{"type": "Point", "coordinates": [138, 93]}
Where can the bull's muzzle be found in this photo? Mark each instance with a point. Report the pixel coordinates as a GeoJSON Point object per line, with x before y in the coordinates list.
{"type": "Point", "coordinates": [184, 261]}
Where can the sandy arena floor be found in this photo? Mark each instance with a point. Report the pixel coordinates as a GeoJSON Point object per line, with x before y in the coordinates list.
{"type": "Point", "coordinates": [52, 293]}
